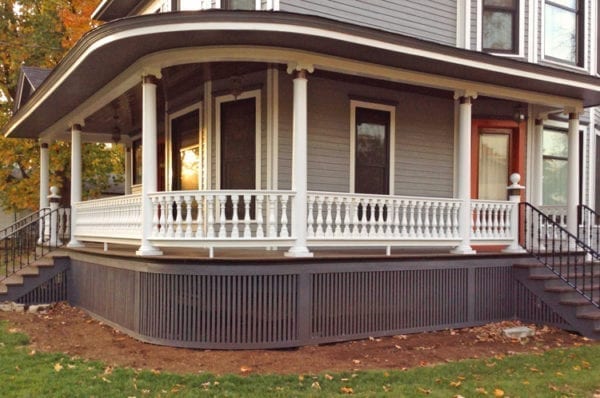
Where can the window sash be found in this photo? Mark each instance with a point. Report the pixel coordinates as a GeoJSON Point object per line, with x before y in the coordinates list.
{"type": "Point", "coordinates": [558, 15]}
{"type": "Point", "coordinates": [494, 14]}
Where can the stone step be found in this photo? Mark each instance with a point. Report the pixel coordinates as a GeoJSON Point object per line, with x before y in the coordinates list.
{"type": "Point", "coordinates": [31, 270]}
{"type": "Point", "coordinates": [592, 313]}
{"type": "Point", "coordinates": [3, 289]}
{"type": "Point", "coordinates": [13, 280]}
{"type": "Point", "coordinates": [557, 285]}
{"type": "Point", "coordinates": [575, 301]}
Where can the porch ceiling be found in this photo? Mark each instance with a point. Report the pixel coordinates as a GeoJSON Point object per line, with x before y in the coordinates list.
{"type": "Point", "coordinates": [105, 53]}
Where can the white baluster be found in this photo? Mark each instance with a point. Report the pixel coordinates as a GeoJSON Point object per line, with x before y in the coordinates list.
{"type": "Point", "coordinates": [188, 216]}
{"type": "Point", "coordinates": [484, 220]}
{"type": "Point", "coordinates": [347, 205]}
{"type": "Point", "coordinates": [284, 218]}
{"type": "Point", "coordinates": [337, 231]}
{"type": "Point", "coordinates": [356, 227]}
{"type": "Point", "coordinates": [496, 223]}
{"type": "Point", "coordinates": [477, 212]}
{"type": "Point", "coordinates": [320, 233]}
{"type": "Point", "coordinates": [455, 226]}
{"type": "Point", "coordinates": [404, 222]}
{"type": "Point", "coordinates": [435, 232]}
{"type": "Point", "coordinates": [155, 216]}
{"type": "Point", "coordinates": [179, 218]}
{"type": "Point", "coordinates": [247, 202]}
{"type": "Point", "coordinates": [210, 215]}
{"type": "Point", "coordinates": [259, 216]}
{"type": "Point", "coordinates": [370, 221]}
{"type": "Point", "coordinates": [396, 221]}
{"type": "Point", "coordinates": [272, 215]}
{"type": "Point", "coordinates": [199, 219]}
{"type": "Point", "coordinates": [411, 219]}
{"type": "Point", "coordinates": [235, 232]}
{"type": "Point", "coordinates": [222, 228]}
{"type": "Point", "coordinates": [426, 222]}
{"type": "Point", "coordinates": [170, 222]}
{"type": "Point", "coordinates": [310, 230]}
{"type": "Point", "coordinates": [501, 221]}
{"type": "Point", "coordinates": [328, 217]}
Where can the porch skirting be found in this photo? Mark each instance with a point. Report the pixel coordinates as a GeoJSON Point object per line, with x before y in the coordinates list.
{"type": "Point", "coordinates": [248, 304]}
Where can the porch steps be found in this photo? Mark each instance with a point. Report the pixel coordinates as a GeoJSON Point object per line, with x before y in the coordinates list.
{"type": "Point", "coordinates": [30, 277]}
{"type": "Point", "coordinates": [564, 300]}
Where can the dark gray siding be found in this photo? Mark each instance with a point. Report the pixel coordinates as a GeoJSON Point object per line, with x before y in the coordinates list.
{"type": "Point", "coordinates": [433, 20]}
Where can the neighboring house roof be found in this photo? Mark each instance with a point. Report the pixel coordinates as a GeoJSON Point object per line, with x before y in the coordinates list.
{"type": "Point", "coordinates": [109, 10]}
{"type": "Point", "coordinates": [106, 52]}
{"type": "Point", "coordinates": [30, 78]}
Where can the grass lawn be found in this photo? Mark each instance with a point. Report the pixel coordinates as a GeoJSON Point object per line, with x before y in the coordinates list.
{"type": "Point", "coordinates": [557, 373]}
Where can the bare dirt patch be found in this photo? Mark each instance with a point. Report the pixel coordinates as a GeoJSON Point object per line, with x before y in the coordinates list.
{"type": "Point", "coordinates": [70, 330]}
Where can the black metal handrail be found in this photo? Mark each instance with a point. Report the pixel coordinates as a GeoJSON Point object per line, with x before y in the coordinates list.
{"type": "Point", "coordinates": [31, 238]}
{"type": "Point", "coordinates": [569, 258]}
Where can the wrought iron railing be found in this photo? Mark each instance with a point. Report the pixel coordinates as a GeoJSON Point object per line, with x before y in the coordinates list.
{"type": "Point", "coordinates": [569, 258]}
{"type": "Point", "coordinates": [31, 238]}
{"type": "Point", "coordinates": [589, 227]}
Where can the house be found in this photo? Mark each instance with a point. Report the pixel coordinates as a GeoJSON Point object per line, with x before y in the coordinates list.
{"type": "Point", "coordinates": [364, 148]}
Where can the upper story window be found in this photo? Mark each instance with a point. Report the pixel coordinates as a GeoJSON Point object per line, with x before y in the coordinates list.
{"type": "Point", "coordinates": [563, 31]}
{"type": "Point", "coordinates": [500, 26]}
{"type": "Point", "coordinates": [239, 5]}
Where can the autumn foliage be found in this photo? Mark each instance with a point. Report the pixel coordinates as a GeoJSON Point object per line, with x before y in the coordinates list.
{"type": "Point", "coordinates": [39, 33]}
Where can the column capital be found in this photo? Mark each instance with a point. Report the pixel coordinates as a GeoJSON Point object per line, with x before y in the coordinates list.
{"type": "Point", "coordinates": [150, 79]}
{"type": "Point", "coordinates": [573, 115]}
{"type": "Point", "coordinates": [465, 96]}
{"type": "Point", "coordinates": [154, 73]}
{"type": "Point", "coordinates": [300, 67]}
{"type": "Point", "coordinates": [539, 121]}
{"type": "Point", "coordinates": [44, 144]}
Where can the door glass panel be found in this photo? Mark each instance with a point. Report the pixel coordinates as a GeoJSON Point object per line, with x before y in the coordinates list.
{"type": "Point", "coordinates": [372, 151]}
{"type": "Point", "coordinates": [493, 166]}
{"type": "Point", "coordinates": [185, 155]}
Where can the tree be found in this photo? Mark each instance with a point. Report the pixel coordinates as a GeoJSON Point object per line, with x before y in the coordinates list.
{"type": "Point", "coordinates": [38, 33]}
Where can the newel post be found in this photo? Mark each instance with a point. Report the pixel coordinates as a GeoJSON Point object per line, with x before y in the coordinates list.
{"type": "Point", "coordinates": [54, 199]}
{"type": "Point", "coordinates": [514, 196]}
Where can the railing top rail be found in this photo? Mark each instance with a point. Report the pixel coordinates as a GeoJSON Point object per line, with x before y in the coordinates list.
{"type": "Point", "coordinates": [374, 196]}
{"type": "Point", "coordinates": [24, 222]}
{"type": "Point", "coordinates": [492, 202]}
{"type": "Point", "coordinates": [109, 199]}
{"type": "Point", "coordinates": [225, 192]}
{"type": "Point", "coordinates": [589, 209]}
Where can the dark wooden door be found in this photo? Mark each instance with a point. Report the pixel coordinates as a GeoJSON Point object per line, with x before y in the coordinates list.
{"type": "Point", "coordinates": [372, 151]}
{"type": "Point", "coordinates": [238, 150]}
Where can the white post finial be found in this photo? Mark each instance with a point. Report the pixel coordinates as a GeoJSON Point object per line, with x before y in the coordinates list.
{"type": "Point", "coordinates": [54, 199]}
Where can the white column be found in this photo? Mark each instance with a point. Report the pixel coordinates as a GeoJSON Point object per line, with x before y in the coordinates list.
{"type": "Point", "coordinates": [149, 162]}
{"type": "Point", "coordinates": [44, 183]}
{"type": "Point", "coordinates": [464, 175]}
{"type": "Point", "coordinates": [76, 180]}
{"type": "Point", "coordinates": [538, 164]}
{"type": "Point", "coordinates": [44, 174]}
{"type": "Point", "coordinates": [514, 196]}
{"type": "Point", "coordinates": [128, 168]}
{"type": "Point", "coordinates": [573, 174]}
{"type": "Point", "coordinates": [299, 166]}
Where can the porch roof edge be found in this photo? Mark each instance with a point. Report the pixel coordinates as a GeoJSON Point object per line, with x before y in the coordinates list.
{"type": "Point", "coordinates": [84, 69]}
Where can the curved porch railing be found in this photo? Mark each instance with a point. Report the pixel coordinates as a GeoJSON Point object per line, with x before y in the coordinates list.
{"type": "Point", "coordinates": [240, 218]}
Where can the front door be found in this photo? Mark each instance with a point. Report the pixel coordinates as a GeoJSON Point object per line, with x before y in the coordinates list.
{"type": "Point", "coordinates": [497, 152]}
{"type": "Point", "coordinates": [238, 148]}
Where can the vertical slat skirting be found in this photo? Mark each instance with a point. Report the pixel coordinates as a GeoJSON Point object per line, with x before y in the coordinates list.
{"type": "Point", "coordinates": [494, 293]}
{"type": "Point", "coordinates": [531, 308]}
{"type": "Point", "coordinates": [51, 291]}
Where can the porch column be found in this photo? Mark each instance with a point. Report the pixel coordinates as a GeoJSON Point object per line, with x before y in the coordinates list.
{"type": "Point", "coordinates": [538, 165]}
{"type": "Point", "coordinates": [75, 180]}
{"type": "Point", "coordinates": [149, 162]}
{"type": "Point", "coordinates": [128, 164]}
{"type": "Point", "coordinates": [573, 173]}
{"type": "Point", "coordinates": [464, 175]}
{"type": "Point", "coordinates": [44, 174]}
{"type": "Point", "coordinates": [299, 165]}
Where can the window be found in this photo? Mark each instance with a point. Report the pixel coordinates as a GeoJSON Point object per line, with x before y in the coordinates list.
{"type": "Point", "coordinates": [371, 141]}
{"type": "Point", "coordinates": [137, 162]}
{"type": "Point", "coordinates": [555, 162]}
{"type": "Point", "coordinates": [185, 151]}
{"type": "Point", "coordinates": [563, 31]}
{"type": "Point", "coordinates": [238, 4]}
{"type": "Point", "coordinates": [500, 26]}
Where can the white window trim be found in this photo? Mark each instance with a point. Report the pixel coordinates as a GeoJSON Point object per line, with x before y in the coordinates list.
{"type": "Point", "coordinates": [228, 98]}
{"type": "Point", "coordinates": [521, 42]}
{"type": "Point", "coordinates": [257, 4]}
{"type": "Point", "coordinates": [169, 142]}
{"type": "Point", "coordinates": [585, 43]}
{"type": "Point", "coordinates": [392, 166]}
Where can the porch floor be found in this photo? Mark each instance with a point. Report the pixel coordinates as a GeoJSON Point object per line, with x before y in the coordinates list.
{"type": "Point", "coordinates": [261, 254]}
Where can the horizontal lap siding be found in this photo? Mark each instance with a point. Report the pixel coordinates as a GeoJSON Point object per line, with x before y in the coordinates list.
{"type": "Point", "coordinates": [433, 20]}
{"type": "Point", "coordinates": [424, 137]}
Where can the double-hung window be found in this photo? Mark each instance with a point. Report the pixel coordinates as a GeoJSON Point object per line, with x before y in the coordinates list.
{"type": "Point", "coordinates": [563, 31]}
{"type": "Point", "coordinates": [500, 27]}
{"type": "Point", "coordinates": [555, 167]}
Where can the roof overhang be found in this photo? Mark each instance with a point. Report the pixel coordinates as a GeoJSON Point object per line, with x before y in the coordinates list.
{"type": "Point", "coordinates": [152, 41]}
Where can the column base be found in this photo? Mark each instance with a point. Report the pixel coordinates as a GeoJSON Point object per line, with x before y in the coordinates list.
{"type": "Point", "coordinates": [463, 249]}
{"type": "Point", "coordinates": [148, 250]}
{"type": "Point", "coordinates": [298, 251]}
{"type": "Point", "coordinates": [514, 249]}
{"type": "Point", "coordinates": [74, 244]}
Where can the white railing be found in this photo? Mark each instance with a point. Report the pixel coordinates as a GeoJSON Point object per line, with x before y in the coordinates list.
{"type": "Point", "coordinates": [220, 216]}
{"type": "Point", "coordinates": [109, 219]}
{"type": "Point", "coordinates": [491, 220]}
{"type": "Point", "coordinates": [558, 214]}
{"type": "Point", "coordinates": [354, 217]}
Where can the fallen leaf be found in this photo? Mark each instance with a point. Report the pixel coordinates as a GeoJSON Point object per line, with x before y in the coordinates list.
{"type": "Point", "coordinates": [328, 377]}
{"type": "Point", "coordinates": [70, 366]}
{"type": "Point", "coordinates": [245, 369]}
{"type": "Point", "coordinates": [356, 361]}
{"type": "Point", "coordinates": [32, 352]}
{"type": "Point", "coordinates": [481, 390]}
{"type": "Point", "coordinates": [58, 367]}
{"type": "Point", "coordinates": [498, 393]}
{"type": "Point", "coordinates": [456, 383]}
{"type": "Point", "coordinates": [425, 391]}
{"type": "Point", "coordinates": [104, 379]}
{"type": "Point", "coordinates": [315, 385]}
{"type": "Point", "coordinates": [300, 377]}
{"type": "Point", "coordinates": [346, 390]}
